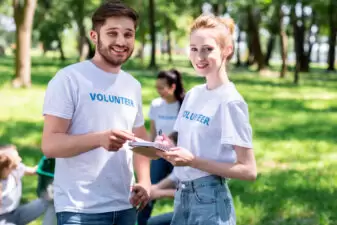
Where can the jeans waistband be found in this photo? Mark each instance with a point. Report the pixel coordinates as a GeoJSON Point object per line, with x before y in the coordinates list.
{"type": "Point", "coordinates": [207, 181]}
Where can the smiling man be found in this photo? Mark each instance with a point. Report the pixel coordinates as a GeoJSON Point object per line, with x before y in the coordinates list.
{"type": "Point", "coordinates": [92, 109]}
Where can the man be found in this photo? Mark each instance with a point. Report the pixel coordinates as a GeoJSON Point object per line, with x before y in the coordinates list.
{"type": "Point", "coordinates": [92, 109]}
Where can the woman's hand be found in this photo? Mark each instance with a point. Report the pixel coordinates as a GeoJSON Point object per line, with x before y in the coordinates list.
{"type": "Point", "coordinates": [178, 156]}
{"type": "Point", "coordinates": [164, 140]}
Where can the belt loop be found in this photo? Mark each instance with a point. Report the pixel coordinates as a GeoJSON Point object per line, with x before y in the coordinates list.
{"type": "Point", "coordinates": [221, 180]}
{"type": "Point", "coordinates": [193, 188]}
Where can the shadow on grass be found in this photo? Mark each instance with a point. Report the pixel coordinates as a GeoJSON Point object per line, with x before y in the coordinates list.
{"type": "Point", "coordinates": [298, 194]}
{"type": "Point", "coordinates": [312, 125]}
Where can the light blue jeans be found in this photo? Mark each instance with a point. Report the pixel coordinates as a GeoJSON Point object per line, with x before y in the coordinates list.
{"type": "Point", "coordinates": [123, 217]}
{"type": "Point", "coordinates": [206, 200]}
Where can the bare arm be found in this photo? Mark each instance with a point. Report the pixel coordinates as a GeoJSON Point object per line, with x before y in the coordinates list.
{"type": "Point", "coordinates": [57, 143]}
{"type": "Point", "coordinates": [164, 189]}
{"type": "Point", "coordinates": [30, 171]}
{"type": "Point", "coordinates": [153, 132]}
{"type": "Point", "coordinates": [244, 168]}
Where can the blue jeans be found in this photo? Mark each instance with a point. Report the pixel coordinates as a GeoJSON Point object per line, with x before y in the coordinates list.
{"type": "Point", "coordinates": [160, 169]}
{"type": "Point", "coordinates": [206, 200]}
{"type": "Point", "coordinates": [123, 217]}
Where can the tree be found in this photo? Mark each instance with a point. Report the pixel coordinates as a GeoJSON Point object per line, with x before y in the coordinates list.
{"type": "Point", "coordinates": [152, 33]}
{"type": "Point", "coordinates": [332, 34]}
{"type": "Point", "coordinates": [283, 38]}
{"type": "Point", "coordinates": [51, 20]}
{"type": "Point", "coordinates": [23, 16]}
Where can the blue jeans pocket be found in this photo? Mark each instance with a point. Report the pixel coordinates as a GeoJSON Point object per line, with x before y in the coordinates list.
{"type": "Point", "coordinates": [205, 195]}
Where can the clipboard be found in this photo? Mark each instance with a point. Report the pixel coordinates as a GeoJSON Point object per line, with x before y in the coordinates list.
{"type": "Point", "coordinates": [147, 148]}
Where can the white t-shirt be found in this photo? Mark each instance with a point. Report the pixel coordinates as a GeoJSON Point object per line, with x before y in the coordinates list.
{"type": "Point", "coordinates": [209, 124]}
{"type": "Point", "coordinates": [96, 181]}
{"type": "Point", "coordinates": [164, 115]}
{"type": "Point", "coordinates": [12, 190]}
{"type": "Point", "coordinates": [173, 177]}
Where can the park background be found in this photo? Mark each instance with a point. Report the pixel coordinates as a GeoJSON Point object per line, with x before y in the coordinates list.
{"type": "Point", "coordinates": [284, 66]}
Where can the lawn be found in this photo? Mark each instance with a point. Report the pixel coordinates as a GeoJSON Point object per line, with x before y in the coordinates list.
{"type": "Point", "coordinates": [295, 136]}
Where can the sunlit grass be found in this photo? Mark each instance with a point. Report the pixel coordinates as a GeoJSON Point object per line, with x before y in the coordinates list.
{"type": "Point", "coordinates": [294, 128]}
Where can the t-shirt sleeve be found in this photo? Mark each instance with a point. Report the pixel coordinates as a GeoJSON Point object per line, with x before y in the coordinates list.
{"type": "Point", "coordinates": [152, 112]}
{"type": "Point", "coordinates": [236, 129]}
{"type": "Point", "coordinates": [59, 98]}
{"type": "Point", "coordinates": [139, 121]}
{"type": "Point", "coordinates": [173, 178]}
{"type": "Point", "coordinates": [20, 170]}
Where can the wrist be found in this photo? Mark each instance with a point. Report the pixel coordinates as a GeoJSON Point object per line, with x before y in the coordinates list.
{"type": "Point", "coordinates": [194, 162]}
{"type": "Point", "coordinates": [99, 139]}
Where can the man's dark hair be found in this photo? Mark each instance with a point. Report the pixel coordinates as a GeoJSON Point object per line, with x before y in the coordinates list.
{"type": "Point", "coordinates": [110, 9]}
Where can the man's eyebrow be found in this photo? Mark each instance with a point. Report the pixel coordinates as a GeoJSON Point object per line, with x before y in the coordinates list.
{"type": "Point", "coordinates": [116, 28]}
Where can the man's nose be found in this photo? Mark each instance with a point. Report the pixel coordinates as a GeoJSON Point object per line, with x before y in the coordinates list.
{"type": "Point", "coordinates": [120, 40]}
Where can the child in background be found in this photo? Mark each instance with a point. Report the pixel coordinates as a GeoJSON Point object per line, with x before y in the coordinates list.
{"type": "Point", "coordinates": [11, 172]}
{"type": "Point", "coordinates": [163, 114]}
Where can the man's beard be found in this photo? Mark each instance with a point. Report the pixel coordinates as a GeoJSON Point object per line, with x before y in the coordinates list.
{"type": "Point", "coordinates": [113, 61]}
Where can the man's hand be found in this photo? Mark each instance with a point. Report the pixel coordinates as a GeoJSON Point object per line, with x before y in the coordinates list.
{"type": "Point", "coordinates": [113, 140]}
{"type": "Point", "coordinates": [140, 195]}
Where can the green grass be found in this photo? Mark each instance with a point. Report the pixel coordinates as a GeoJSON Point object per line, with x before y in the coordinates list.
{"type": "Point", "coordinates": [295, 136]}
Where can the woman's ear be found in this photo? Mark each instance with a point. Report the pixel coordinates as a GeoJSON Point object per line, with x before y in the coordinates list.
{"type": "Point", "coordinates": [227, 51]}
{"type": "Point", "coordinates": [173, 87]}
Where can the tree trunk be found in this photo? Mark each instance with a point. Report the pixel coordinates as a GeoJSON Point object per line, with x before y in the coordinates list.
{"type": "Point", "coordinates": [253, 27]}
{"type": "Point", "coordinates": [91, 48]}
{"type": "Point", "coordinates": [60, 47]}
{"type": "Point", "coordinates": [332, 35]}
{"type": "Point", "coordinates": [238, 55]}
{"type": "Point", "coordinates": [298, 39]}
{"type": "Point", "coordinates": [305, 66]}
{"type": "Point", "coordinates": [251, 58]}
{"type": "Point", "coordinates": [318, 52]}
{"type": "Point", "coordinates": [83, 43]}
{"type": "Point", "coordinates": [152, 33]}
{"type": "Point", "coordinates": [23, 16]}
{"type": "Point", "coordinates": [141, 53]}
{"type": "Point", "coordinates": [218, 8]}
{"type": "Point", "coordinates": [270, 48]}
{"type": "Point", "coordinates": [283, 42]}
{"type": "Point", "coordinates": [168, 36]}
{"type": "Point", "coordinates": [83, 46]}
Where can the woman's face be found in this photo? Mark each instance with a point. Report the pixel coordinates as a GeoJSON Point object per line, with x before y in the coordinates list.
{"type": "Point", "coordinates": [164, 90]}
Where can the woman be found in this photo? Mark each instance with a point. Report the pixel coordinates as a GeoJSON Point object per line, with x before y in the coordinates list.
{"type": "Point", "coordinates": [214, 133]}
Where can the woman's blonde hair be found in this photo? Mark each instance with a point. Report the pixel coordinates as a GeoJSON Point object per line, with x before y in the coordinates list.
{"type": "Point", "coordinates": [226, 25]}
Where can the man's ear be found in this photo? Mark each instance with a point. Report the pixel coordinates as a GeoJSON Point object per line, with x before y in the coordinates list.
{"type": "Point", "coordinates": [94, 36]}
